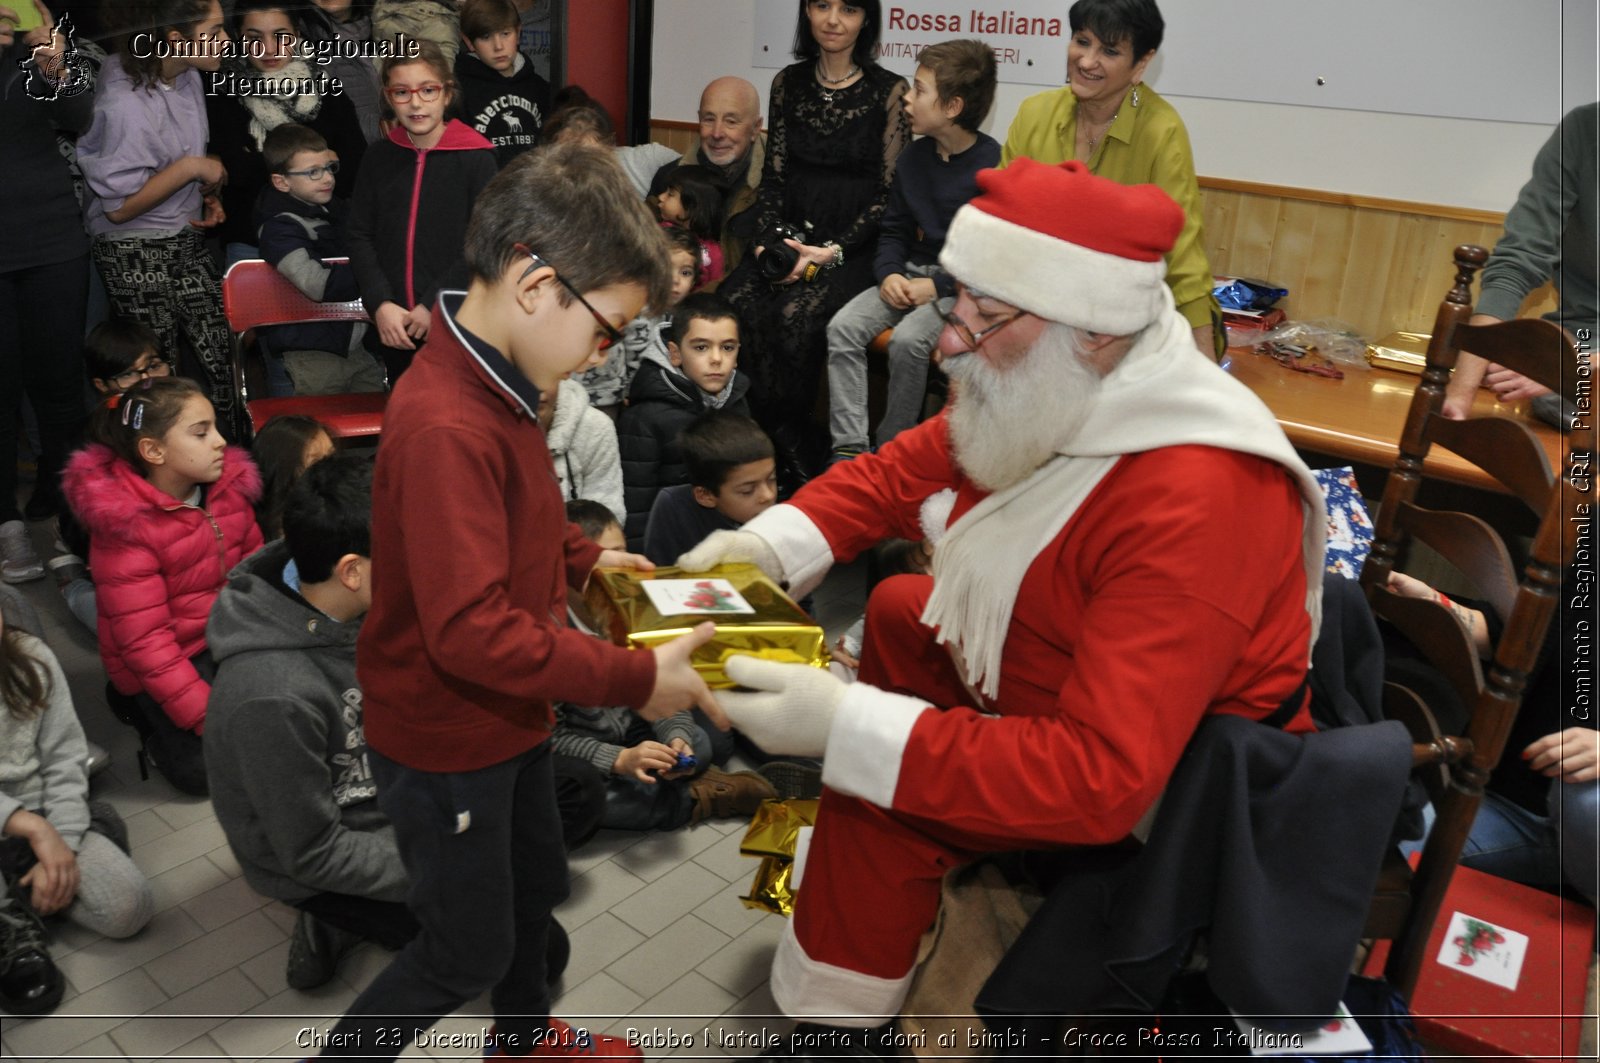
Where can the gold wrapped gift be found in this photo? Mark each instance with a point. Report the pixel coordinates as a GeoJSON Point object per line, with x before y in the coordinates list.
{"type": "Point", "coordinates": [753, 615]}
{"type": "Point", "coordinates": [772, 836]}
{"type": "Point", "coordinates": [1404, 351]}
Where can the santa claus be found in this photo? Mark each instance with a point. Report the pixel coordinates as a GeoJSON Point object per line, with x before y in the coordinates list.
{"type": "Point", "coordinates": [1134, 546]}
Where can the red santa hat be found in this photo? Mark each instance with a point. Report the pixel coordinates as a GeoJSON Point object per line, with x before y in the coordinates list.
{"type": "Point", "coordinates": [1059, 242]}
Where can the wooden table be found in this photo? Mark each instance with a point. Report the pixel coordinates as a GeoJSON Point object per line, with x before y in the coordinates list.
{"type": "Point", "coordinates": [1359, 419]}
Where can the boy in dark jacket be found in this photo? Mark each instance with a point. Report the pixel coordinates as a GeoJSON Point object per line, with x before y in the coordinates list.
{"type": "Point", "coordinates": [699, 373]}
{"type": "Point", "coordinates": [502, 96]}
{"type": "Point", "coordinates": [296, 213]}
{"type": "Point", "coordinates": [732, 477]}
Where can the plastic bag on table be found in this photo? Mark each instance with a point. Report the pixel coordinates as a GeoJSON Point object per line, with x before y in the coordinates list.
{"type": "Point", "coordinates": [1334, 340]}
{"type": "Point", "coordinates": [1242, 293]}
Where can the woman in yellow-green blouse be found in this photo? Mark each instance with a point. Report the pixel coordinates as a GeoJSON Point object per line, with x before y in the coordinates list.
{"type": "Point", "coordinates": [1121, 129]}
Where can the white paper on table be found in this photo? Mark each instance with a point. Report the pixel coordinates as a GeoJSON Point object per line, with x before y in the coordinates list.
{"type": "Point", "coordinates": [1479, 948]}
{"type": "Point", "coordinates": [1338, 1036]}
{"type": "Point", "coordinates": [709, 596]}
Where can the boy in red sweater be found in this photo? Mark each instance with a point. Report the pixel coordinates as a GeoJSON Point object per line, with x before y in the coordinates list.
{"type": "Point", "coordinates": [466, 644]}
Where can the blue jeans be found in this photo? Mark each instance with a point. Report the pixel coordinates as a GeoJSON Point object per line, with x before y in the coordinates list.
{"type": "Point", "coordinates": [1510, 842]}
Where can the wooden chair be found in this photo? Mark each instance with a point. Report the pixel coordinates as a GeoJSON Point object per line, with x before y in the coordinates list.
{"type": "Point", "coordinates": [1456, 769]}
{"type": "Point", "coordinates": [256, 294]}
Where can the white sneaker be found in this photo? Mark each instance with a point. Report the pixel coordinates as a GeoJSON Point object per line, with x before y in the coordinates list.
{"type": "Point", "coordinates": [19, 562]}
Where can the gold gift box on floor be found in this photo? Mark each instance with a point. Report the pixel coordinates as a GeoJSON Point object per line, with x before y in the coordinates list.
{"type": "Point", "coordinates": [1404, 351]}
{"type": "Point", "coordinates": [752, 614]}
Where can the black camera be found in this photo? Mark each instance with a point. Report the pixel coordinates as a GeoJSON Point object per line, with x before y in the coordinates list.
{"type": "Point", "coordinates": [778, 258]}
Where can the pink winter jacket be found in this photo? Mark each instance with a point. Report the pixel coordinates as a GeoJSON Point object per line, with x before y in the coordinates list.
{"type": "Point", "coordinates": [158, 565]}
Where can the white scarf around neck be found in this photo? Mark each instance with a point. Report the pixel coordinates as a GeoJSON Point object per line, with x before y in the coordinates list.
{"type": "Point", "coordinates": [1164, 393]}
{"type": "Point", "coordinates": [268, 112]}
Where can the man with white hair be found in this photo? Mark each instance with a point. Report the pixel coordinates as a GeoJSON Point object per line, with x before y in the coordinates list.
{"type": "Point", "coordinates": [1134, 546]}
{"type": "Point", "coordinates": [733, 147]}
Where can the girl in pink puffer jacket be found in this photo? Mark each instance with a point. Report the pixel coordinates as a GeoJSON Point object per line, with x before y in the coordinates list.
{"type": "Point", "coordinates": [168, 506]}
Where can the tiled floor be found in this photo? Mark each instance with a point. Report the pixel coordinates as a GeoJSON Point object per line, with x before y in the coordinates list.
{"type": "Point", "coordinates": [660, 940]}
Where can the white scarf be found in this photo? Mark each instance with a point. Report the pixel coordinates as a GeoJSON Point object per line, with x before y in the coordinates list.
{"type": "Point", "coordinates": [269, 112]}
{"type": "Point", "coordinates": [1164, 393]}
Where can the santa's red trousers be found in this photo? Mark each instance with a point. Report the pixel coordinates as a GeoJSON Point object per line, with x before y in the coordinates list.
{"type": "Point", "coordinates": [872, 875]}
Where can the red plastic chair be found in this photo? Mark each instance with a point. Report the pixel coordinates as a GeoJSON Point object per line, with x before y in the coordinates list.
{"type": "Point", "coordinates": [256, 294]}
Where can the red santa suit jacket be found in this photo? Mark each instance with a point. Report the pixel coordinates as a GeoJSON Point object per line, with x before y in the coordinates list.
{"type": "Point", "coordinates": [1177, 590]}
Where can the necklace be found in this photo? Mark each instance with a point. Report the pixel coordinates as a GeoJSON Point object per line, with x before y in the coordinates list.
{"type": "Point", "coordinates": [823, 77]}
{"type": "Point", "coordinates": [1094, 138]}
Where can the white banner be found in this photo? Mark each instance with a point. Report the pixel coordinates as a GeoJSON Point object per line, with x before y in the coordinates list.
{"type": "Point", "coordinates": [1029, 37]}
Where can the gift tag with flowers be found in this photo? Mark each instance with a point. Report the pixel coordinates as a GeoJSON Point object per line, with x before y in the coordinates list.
{"type": "Point", "coordinates": [674, 597]}
{"type": "Point", "coordinates": [1483, 950]}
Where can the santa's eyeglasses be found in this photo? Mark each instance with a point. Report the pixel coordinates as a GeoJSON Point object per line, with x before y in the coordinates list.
{"type": "Point", "coordinates": [946, 309]}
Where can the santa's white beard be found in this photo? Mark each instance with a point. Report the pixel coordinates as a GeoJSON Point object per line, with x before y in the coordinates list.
{"type": "Point", "coordinates": [1005, 423]}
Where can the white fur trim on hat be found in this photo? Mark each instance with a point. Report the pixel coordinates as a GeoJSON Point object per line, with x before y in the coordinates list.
{"type": "Point", "coordinates": [1047, 276]}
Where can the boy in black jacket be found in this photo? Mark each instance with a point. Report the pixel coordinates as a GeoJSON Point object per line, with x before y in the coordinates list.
{"type": "Point", "coordinates": [732, 478]}
{"type": "Point", "coordinates": [699, 372]}
{"type": "Point", "coordinates": [502, 96]}
{"type": "Point", "coordinates": [296, 215]}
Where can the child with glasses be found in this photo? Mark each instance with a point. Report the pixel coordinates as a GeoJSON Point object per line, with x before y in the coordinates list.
{"type": "Point", "coordinates": [466, 644]}
{"type": "Point", "coordinates": [301, 227]}
{"type": "Point", "coordinates": [119, 354]}
{"type": "Point", "coordinates": [413, 197]}
{"type": "Point", "coordinates": [272, 83]}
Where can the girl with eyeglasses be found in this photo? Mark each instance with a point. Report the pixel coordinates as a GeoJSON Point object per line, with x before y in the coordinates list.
{"type": "Point", "coordinates": [169, 510]}
{"type": "Point", "coordinates": [282, 87]}
{"type": "Point", "coordinates": [413, 198]}
{"type": "Point", "coordinates": [117, 355]}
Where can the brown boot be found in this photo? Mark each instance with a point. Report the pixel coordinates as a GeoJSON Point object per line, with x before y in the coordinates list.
{"type": "Point", "coordinates": [724, 795]}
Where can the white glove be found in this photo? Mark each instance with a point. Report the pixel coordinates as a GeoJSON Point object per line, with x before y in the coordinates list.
{"type": "Point", "coordinates": [721, 547]}
{"type": "Point", "coordinates": [790, 708]}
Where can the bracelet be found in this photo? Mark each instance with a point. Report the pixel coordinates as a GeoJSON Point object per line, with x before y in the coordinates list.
{"type": "Point", "coordinates": [838, 255]}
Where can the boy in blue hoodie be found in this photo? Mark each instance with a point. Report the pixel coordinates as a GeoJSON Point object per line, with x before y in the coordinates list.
{"type": "Point", "coordinates": [297, 232]}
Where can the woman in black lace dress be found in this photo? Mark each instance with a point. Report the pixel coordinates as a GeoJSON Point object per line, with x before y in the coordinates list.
{"type": "Point", "coordinates": [835, 128]}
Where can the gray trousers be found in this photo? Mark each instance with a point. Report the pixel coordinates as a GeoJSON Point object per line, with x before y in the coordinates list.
{"type": "Point", "coordinates": [322, 373]}
{"type": "Point", "coordinates": [114, 897]}
{"type": "Point", "coordinates": [852, 329]}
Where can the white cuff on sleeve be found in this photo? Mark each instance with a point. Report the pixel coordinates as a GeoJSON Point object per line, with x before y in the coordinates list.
{"type": "Point", "coordinates": [868, 741]}
{"type": "Point", "coordinates": [799, 544]}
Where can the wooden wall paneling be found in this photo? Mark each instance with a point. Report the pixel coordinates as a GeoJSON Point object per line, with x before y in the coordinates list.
{"type": "Point", "coordinates": [1366, 269]}
{"type": "Point", "coordinates": [1217, 211]}
{"type": "Point", "coordinates": [676, 139]}
{"type": "Point", "coordinates": [1325, 267]}
{"type": "Point", "coordinates": [1293, 246]}
{"type": "Point", "coordinates": [1254, 230]}
{"type": "Point", "coordinates": [1407, 270]}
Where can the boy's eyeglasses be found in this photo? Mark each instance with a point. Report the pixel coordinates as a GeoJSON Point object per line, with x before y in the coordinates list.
{"type": "Point", "coordinates": [613, 334]}
{"type": "Point", "coordinates": [426, 93]}
{"type": "Point", "coordinates": [129, 377]}
{"type": "Point", "coordinates": [315, 172]}
{"type": "Point", "coordinates": [946, 309]}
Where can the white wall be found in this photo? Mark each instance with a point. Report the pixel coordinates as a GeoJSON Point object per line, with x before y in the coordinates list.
{"type": "Point", "coordinates": [1456, 162]}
